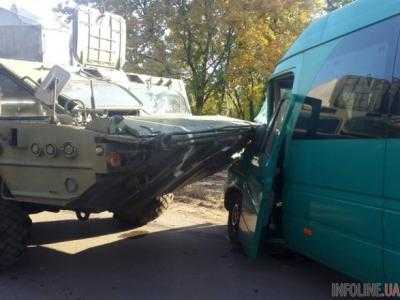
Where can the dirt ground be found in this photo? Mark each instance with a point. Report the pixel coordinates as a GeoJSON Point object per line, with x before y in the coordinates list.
{"type": "Point", "coordinates": [184, 254]}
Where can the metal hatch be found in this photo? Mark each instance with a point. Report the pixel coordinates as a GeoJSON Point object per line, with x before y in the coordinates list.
{"type": "Point", "coordinates": [99, 39]}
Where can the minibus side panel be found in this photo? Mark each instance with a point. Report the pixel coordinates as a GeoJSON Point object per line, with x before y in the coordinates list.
{"type": "Point", "coordinates": [335, 165]}
{"type": "Point", "coordinates": [391, 218]}
{"type": "Point", "coordinates": [296, 213]}
{"type": "Point", "coordinates": [391, 215]}
{"type": "Point", "coordinates": [343, 21]}
{"type": "Point", "coordinates": [344, 207]}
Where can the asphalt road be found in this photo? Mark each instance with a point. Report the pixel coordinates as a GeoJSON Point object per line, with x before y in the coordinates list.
{"type": "Point", "coordinates": [179, 256]}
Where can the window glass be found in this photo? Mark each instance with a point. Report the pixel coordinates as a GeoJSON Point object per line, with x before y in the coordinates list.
{"type": "Point", "coordinates": [160, 101]}
{"type": "Point", "coordinates": [169, 103]}
{"type": "Point", "coordinates": [350, 93]}
{"type": "Point", "coordinates": [16, 101]}
{"type": "Point", "coordinates": [282, 92]}
{"type": "Point", "coordinates": [278, 89]}
{"type": "Point", "coordinates": [276, 127]}
{"type": "Point", "coordinates": [393, 103]}
{"type": "Point", "coordinates": [262, 116]}
{"type": "Point", "coordinates": [9, 89]}
{"type": "Point", "coordinates": [106, 95]}
{"type": "Point", "coordinates": [393, 107]}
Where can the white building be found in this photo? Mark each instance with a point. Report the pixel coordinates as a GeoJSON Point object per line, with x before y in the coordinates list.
{"type": "Point", "coordinates": [27, 37]}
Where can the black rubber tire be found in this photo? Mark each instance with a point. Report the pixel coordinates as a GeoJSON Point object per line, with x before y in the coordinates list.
{"type": "Point", "coordinates": [143, 212]}
{"type": "Point", "coordinates": [235, 211]}
{"type": "Point", "coordinates": [15, 228]}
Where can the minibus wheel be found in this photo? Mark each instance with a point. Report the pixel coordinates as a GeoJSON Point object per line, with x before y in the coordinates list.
{"type": "Point", "coordinates": [235, 211]}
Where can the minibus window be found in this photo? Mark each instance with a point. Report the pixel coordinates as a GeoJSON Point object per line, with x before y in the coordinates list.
{"type": "Point", "coordinates": [308, 118]}
{"type": "Point", "coordinates": [278, 89]}
{"type": "Point", "coordinates": [393, 105]}
{"type": "Point", "coordinates": [282, 87]}
{"type": "Point", "coordinates": [281, 91]}
{"type": "Point", "coordinates": [353, 87]}
{"type": "Point", "coordinates": [275, 127]}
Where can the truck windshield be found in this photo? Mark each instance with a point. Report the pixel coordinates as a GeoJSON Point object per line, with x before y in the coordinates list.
{"type": "Point", "coordinates": [157, 101]}
{"type": "Point", "coordinates": [106, 95]}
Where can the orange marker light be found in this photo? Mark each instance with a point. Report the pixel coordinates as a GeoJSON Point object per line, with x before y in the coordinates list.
{"type": "Point", "coordinates": [114, 159]}
{"type": "Point", "coordinates": [307, 232]}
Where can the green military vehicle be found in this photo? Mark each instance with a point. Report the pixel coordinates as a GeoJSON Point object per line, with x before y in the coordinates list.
{"type": "Point", "coordinates": [71, 139]}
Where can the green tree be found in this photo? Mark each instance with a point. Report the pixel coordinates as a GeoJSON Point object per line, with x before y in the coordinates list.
{"type": "Point", "coordinates": [262, 38]}
{"type": "Point", "coordinates": [229, 46]}
{"type": "Point", "coordinates": [201, 39]}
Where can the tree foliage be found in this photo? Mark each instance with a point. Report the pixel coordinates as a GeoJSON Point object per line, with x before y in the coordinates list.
{"type": "Point", "coordinates": [224, 49]}
{"type": "Point", "coordinates": [264, 33]}
{"type": "Point", "coordinates": [335, 4]}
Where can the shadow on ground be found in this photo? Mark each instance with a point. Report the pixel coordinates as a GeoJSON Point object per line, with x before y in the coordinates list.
{"type": "Point", "coordinates": [195, 262]}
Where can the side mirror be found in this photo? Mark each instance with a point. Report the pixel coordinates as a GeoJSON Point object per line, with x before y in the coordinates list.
{"type": "Point", "coordinates": [50, 88]}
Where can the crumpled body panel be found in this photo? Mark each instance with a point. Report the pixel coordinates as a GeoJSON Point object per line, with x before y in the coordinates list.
{"type": "Point", "coordinates": [163, 154]}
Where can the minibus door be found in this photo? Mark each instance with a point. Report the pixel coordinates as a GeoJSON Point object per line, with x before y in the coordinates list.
{"type": "Point", "coordinates": [257, 200]}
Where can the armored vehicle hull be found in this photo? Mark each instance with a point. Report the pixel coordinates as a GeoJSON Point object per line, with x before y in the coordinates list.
{"type": "Point", "coordinates": [157, 155]}
{"type": "Point", "coordinates": [112, 162]}
{"type": "Point", "coordinates": [89, 137]}
{"type": "Point", "coordinates": [92, 159]}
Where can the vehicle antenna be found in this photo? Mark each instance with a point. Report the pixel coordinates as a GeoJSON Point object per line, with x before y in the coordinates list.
{"type": "Point", "coordinates": [93, 103]}
{"type": "Point", "coordinates": [55, 98]}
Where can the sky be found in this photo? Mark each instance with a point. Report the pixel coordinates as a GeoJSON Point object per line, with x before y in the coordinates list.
{"type": "Point", "coordinates": [40, 8]}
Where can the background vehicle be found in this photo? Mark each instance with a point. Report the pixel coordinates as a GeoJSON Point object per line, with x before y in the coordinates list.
{"type": "Point", "coordinates": [100, 58]}
{"type": "Point", "coordinates": [323, 173]}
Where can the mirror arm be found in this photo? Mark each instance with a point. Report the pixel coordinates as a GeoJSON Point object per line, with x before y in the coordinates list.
{"type": "Point", "coordinates": [83, 108]}
{"type": "Point", "coordinates": [92, 101]}
{"type": "Point", "coordinates": [55, 98]}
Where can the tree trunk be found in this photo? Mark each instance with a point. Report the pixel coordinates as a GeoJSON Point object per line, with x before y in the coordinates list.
{"type": "Point", "coordinates": [251, 109]}
{"type": "Point", "coordinates": [199, 103]}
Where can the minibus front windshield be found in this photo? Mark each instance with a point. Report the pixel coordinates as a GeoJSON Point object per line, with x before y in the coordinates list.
{"type": "Point", "coordinates": [262, 116]}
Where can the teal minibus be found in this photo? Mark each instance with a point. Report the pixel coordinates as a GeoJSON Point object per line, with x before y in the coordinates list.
{"type": "Point", "coordinates": [324, 171]}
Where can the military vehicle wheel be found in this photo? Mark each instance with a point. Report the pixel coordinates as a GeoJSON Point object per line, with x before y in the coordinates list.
{"type": "Point", "coordinates": [15, 228]}
{"type": "Point", "coordinates": [143, 212]}
{"type": "Point", "coordinates": [235, 211]}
